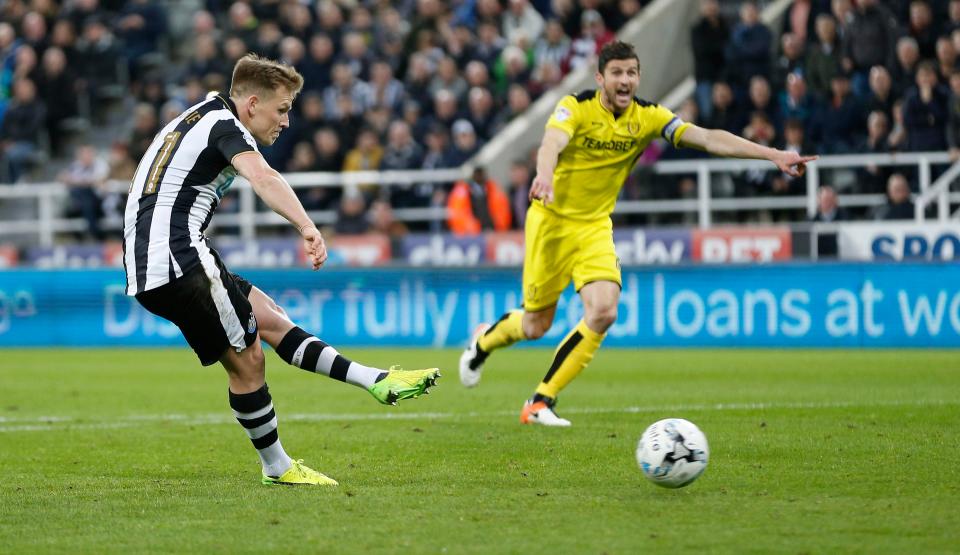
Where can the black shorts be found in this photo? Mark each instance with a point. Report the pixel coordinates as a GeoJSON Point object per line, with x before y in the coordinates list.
{"type": "Point", "coordinates": [209, 304]}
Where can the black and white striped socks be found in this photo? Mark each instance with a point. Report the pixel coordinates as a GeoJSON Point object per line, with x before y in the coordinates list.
{"type": "Point", "coordinates": [306, 351]}
{"type": "Point", "coordinates": [254, 411]}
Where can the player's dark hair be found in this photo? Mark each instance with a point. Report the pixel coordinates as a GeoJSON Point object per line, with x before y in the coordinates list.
{"type": "Point", "coordinates": [616, 50]}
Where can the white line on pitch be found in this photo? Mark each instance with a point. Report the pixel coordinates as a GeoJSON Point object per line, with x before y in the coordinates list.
{"type": "Point", "coordinates": [55, 423]}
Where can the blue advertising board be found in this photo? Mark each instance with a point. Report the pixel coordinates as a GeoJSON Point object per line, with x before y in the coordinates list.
{"type": "Point", "coordinates": [788, 305]}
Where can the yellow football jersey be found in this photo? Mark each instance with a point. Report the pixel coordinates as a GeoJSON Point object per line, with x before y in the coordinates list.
{"type": "Point", "coordinates": [603, 150]}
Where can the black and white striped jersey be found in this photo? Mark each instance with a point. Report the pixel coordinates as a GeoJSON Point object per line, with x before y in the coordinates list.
{"type": "Point", "coordinates": [177, 187]}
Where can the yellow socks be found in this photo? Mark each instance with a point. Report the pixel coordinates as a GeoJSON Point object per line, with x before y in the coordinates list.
{"type": "Point", "coordinates": [505, 332]}
{"type": "Point", "coordinates": [572, 356]}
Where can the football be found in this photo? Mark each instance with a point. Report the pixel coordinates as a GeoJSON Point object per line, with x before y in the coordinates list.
{"type": "Point", "coordinates": [672, 452]}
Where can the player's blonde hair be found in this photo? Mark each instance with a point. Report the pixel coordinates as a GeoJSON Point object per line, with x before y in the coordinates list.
{"type": "Point", "coordinates": [257, 75]}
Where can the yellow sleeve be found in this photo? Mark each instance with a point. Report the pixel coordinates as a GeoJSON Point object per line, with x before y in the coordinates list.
{"type": "Point", "coordinates": [666, 124]}
{"type": "Point", "coordinates": [566, 116]}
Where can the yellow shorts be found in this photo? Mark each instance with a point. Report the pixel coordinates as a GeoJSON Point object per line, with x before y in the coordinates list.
{"type": "Point", "coordinates": [558, 249]}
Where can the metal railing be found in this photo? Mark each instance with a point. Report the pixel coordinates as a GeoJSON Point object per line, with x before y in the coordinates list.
{"type": "Point", "coordinates": [939, 191]}
{"type": "Point", "coordinates": [705, 204]}
{"type": "Point", "coordinates": [51, 198]}
{"type": "Point", "coordinates": [250, 220]}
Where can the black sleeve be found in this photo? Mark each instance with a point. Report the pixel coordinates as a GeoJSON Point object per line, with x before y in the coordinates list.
{"type": "Point", "coordinates": [229, 139]}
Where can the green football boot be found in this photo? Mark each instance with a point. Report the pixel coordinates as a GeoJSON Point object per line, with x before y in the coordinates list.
{"type": "Point", "coordinates": [401, 384]}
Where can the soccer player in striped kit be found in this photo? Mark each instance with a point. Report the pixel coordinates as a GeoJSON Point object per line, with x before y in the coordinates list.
{"type": "Point", "coordinates": [174, 273]}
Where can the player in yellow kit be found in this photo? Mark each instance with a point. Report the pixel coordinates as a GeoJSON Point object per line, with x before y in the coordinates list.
{"type": "Point", "coordinates": [591, 143]}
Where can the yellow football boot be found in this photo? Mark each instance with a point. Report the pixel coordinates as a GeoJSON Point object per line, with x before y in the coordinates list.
{"type": "Point", "coordinates": [298, 475]}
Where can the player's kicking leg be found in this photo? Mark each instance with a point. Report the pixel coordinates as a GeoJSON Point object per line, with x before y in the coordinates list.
{"type": "Point", "coordinates": [306, 351]}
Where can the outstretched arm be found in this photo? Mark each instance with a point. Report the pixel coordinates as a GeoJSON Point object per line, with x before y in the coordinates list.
{"type": "Point", "coordinates": [269, 185]}
{"type": "Point", "coordinates": [553, 143]}
{"type": "Point", "coordinates": [724, 143]}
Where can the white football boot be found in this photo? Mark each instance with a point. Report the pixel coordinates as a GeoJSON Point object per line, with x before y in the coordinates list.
{"type": "Point", "coordinates": [470, 371]}
{"type": "Point", "coordinates": [538, 412]}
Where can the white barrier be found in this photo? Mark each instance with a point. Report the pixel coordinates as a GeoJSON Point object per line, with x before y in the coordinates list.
{"type": "Point", "coordinates": [51, 197]}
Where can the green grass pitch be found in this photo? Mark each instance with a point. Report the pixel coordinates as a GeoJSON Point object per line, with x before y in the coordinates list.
{"type": "Point", "coordinates": [134, 451]}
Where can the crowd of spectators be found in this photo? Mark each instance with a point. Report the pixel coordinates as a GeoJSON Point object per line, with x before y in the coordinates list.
{"type": "Point", "coordinates": [848, 76]}
{"type": "Point", "coordinates": [61, 61]}
{"type": "Point", "coordinates": [422, 84]}
{"type": "Point", "coordinates": [387, 85]}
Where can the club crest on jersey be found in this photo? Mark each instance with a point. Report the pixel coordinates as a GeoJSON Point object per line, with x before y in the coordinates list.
{"type": "Point", "coordinates": [562, 114]}
{"type": "Point", "coordinates": [252, 324]}
{"type": "Point", "coordinates": [633, 127]}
